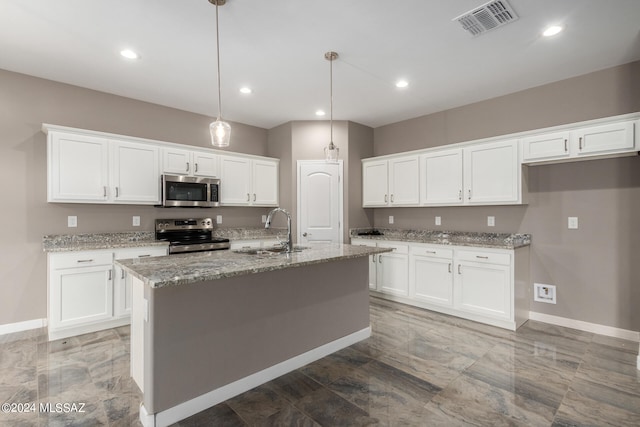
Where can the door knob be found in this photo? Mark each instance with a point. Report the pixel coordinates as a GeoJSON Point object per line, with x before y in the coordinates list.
{"type": "Point", "coordinates": [304, 234]}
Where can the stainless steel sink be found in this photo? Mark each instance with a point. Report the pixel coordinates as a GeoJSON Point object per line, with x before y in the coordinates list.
{"type": "Point", "coordinates": [269, 251]}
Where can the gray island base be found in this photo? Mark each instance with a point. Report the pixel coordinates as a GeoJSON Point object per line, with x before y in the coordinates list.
{"type": "Point", "coordinates": [197, 343]}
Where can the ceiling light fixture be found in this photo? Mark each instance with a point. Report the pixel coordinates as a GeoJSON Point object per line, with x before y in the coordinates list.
{"type": "Point", "coordinates": [552, 30]}
{"type": "Point", "coordinates": [245, 90]}
{"type": "Point", "coordinates": [320, 113]}
{"type": "Point", "coordinates": [402, 83]}
{"type": "Point", "coordinates": [129, 54]}
{"type": "Point", "coordinates": [220, 130]}
{"type": "Point", "coordinates": [331, 151]}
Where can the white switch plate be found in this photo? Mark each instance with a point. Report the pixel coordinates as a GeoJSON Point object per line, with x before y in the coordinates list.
{"type": "Point", "coordinates": [136, 221]}
{"type": "Point", "coordinates": [264, 219]}
{"type": "Point", "coordinates": [72, 221]}
{"type": "Point", "coordinates": [390, 219]}
{"type": "Point", "coordinates": [218, 219]}
{"type": "Point", "coordinates": [572, 223]}
{"type": "Point", "coordinates": [438, 220]}
{"type": "Point", "coordinates": [491, 221]}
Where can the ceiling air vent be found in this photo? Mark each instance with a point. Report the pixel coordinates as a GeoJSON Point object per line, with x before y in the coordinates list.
{"type": "Point", "coordinates": [487, 17]}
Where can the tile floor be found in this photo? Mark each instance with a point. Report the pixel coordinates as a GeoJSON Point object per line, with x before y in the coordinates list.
{"type": "Point", "coordinates": [419, 368]}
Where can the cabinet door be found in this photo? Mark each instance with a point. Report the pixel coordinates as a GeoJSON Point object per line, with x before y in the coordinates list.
{"type": "Point", "coordinates": [373, 261]}
{"type": "Point", "coordinates": [441, 178]}
{"type": "Point", "coordinates": [375, 183]}
{"type": "Point", "coordinates": [404, 181]}
{"type": "Point", "coordinates": [492, 173]}
{"type": "Point", "coordinates": [393, 270]}
{"type": "Point", "coordinates": [135, 173]}
{"type": "Point", "coordinates": [431, 279]}
{"type": "Point", "coordinates": [78, 168]}
{"type": "Point", "coordinates": [205, 164]}
{"type": "Point", "coordinates": [484, 289]}
{"type": "Point", "coordinates": [80, 296]}
{"type": "Point", "coordinates": [265, 183]}
{"type": "Point", "coordinates": [176, 161]}
{"type": "Point", "coordinates": [235, 181]}
{"type": "Point", "coordinates": [605, 138]}
{"type": "Point", "coordinates": [549, 146]}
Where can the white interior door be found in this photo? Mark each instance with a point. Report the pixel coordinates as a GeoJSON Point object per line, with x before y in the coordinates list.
{"type": "Point", "coordinates": [319, 202]}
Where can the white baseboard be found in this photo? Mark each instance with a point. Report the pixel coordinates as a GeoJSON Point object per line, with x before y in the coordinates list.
{"type": "Point", "coordinates": [207, 400]}
{"type": "Point", "coordinates": [27, 325]}
{"type": "Point", "coordinates": [586, 326]}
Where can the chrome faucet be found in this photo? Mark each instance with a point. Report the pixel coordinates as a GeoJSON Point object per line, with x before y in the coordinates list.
{"type": "Point", "coordinates": [289, 244]}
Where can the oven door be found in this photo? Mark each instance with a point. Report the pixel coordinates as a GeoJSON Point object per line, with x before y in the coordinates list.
{"type": "Point", "coordinates": [187, 191]}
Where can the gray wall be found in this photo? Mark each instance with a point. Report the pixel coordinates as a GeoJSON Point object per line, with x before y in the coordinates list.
{"type": "Point", "coordinates": [592, 267]}
{"type": "Point", "coordinates": [25, 103]}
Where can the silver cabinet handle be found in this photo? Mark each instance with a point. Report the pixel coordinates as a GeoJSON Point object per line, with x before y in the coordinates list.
{"type": "Point", "coordinates": [392, 198]}
{"type": "Point", "coordinates": [254, 197]}
{"type": "Point", "coordinates": [110, 274]}
{"type": "Point", "coordinates": [187, 166]}
{"type": "Point", "coordinates": [196, 168]}
{"type": "Point", "coordinates": [117, 192]}
{"type": "Point", "coordinates": [386, 198]}
{"type": "Point", "coordinates": [105, 191]}
{"type": "Point", "coordinates": [459, 272]}
{"type": "Point", "coordinates": [460, 195]}
{"type": "Point", "coordinates": [85, 260]}
{"type": "Point", "coordinates": [431, 252]}
{"type": "Point", "coordinates": [566, 148]}
{"type": "Point", "coordinates": [469, 194]}
{"type": "Point", "coordinates": [482, 257]}
{"type": "Point", "coordinates": [380, 259]}
{"type": "Point", "coordinates": [144, 256]}
{"type": "Point", "coordinates": [449, 267]}
{"type": "Point", "coordinates": [373, 258]}
{"type": "Point", "coordinates": [122, 274]}
{"type": "Point", "coordinates": [248, 197]}
{"type": "Point", "coordinates": [580, 143]}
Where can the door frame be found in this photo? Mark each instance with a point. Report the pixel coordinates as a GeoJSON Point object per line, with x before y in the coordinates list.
{"type": "Point", "coordinates": [340, 195]}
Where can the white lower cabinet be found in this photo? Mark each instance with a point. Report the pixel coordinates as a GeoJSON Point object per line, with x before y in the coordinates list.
{"type": "Point", "coordinates": [481, 284]}
{"type": "Point", "coordinates": [86, 293]}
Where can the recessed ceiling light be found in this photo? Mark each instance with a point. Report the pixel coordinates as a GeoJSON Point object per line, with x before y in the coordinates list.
{"type": "Point", "coordinates": [402, 83]}
{"type": "Point", "coordinates": [245, 90]}
{"type": "Point", "coordinates": [129, 54]}
{"type": "Point", "coordinates": [552, 30]}
{"type": "Point", "coordinates": [320, 113]}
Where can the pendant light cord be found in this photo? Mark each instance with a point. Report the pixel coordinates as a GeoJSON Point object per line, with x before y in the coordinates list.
{"type": "Point", "coordinates": [331, 102]}
{"type": "Point", "coordinates": [218, 59]}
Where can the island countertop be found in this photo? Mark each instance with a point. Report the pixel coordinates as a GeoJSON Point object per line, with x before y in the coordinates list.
{"type": "Point", "coordinates": [183, 269]}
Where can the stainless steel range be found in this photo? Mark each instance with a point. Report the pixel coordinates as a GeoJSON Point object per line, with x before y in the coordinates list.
{"type": "Point", "coordinates": [189, 235]}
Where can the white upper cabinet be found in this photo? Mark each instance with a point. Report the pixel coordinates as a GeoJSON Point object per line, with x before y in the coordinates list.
{"type": "Point", "coordinates": [248, 182]}
{"type": "Point", "coordinates": [89, 169]}
{"type": "Point", "coordinates": [441, 177]}
{"type": "Point", "coordinates": [134, 173]}
{"type": "Point", "coordinates": [492, 173]}
{"type": "Point", "coordinates": [393, 182]}
{"type": "Point", "coordinates": [177, 161]}
{"type": "Point", "coordinates": [613, 139]}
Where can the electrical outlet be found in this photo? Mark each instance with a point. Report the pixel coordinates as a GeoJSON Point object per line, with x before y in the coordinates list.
{"type": "Point", "coordinates": [136, 221]}
{"type": "Point", "coordinates": [72, 221]}
{"type": "Point", "coordinates": [544, 293]}
{"type": "Point", "coordinates": [218, 219]}
{"type": "Point", "coordinates": [491, 221]}
{"type": "Point", "coordinates": [572, 223]}
{"type": "Point", "coordinates": [390, 219]}
{"type": "Point", "coordinates": [438, 220]}
{"type": "Point", "coordinates": [264, 219]}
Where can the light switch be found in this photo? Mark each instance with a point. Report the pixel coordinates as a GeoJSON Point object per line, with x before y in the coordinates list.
{"type": "Point", "coordinates": [264, 219]}
{"type": "Point", "coordinates": [573, 223]}
{"type": "Point", "coordinates": [390, 219]}
{"type": "Point", "coordinates": [72, 221]}
{"type": "Point", "coordinates": [438, 220]}
{"type": "Point", "coordinates": [136, 221]}
{"type": "Point", "coordinates": [491, 221]}
{"type": "Point", "coordinates": [218, 219]}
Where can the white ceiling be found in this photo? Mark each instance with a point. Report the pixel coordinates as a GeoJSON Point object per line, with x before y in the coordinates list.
{"type": "Point", "coordinates": [277, 48]}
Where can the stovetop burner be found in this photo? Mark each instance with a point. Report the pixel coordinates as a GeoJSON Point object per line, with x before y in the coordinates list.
{"type": "Point", "coordinates": [189, 235]}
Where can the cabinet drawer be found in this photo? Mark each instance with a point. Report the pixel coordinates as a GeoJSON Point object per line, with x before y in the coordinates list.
{"type": "Point", "coordinates": [140, 252]}
{"type": "Point", "coordinates": [485, 257]}
{"type": "Point", "coordinates": [80, 259]}
{"type": "Point", "coordinates": [431, 251]}
{"type": "Point", "coordinates": [364, 242]}
{"type": "Point", "coordinates": [397, 247]}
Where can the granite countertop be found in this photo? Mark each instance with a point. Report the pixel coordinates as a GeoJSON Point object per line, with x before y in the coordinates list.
{"type": "Point", "coordinates": [86, 242]}
{"type": "Point", "coordinates": [183, 269]}
{"type": "Point", "coordinates": [451, 238]}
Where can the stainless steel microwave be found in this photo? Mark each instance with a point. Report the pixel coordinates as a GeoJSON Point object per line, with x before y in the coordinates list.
{"type": "Point", "coordinates": [190, 192]}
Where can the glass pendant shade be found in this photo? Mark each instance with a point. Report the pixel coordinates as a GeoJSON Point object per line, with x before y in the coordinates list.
{"type": "Point", "coordinates": [220, 133]}
{"type": "Point", "coordinates": [331, 153]}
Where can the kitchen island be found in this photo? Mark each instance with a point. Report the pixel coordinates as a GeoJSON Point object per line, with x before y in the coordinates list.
{"type": "Point", "coordinates": [208, 326]}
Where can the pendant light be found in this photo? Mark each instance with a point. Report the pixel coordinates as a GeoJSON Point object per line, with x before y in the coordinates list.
{"type": "Point", "coordinates": [331, 151]}
{"type": "Point", "coordinates": [220, 130]}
